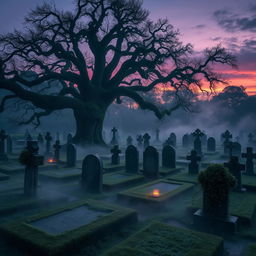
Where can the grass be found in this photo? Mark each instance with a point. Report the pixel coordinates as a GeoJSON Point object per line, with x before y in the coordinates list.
{"type": "Point", "coordinates": [38, 242]}
{"type": "Point", "coordinates": [164, 240]}
{"type": "Point", "coordinates": [184, 177]}
{"type": "Point", "coordinates": [59, 175]}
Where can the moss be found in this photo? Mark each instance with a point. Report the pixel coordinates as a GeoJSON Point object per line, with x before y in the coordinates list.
{"type": "Point", "coordinates": [164, 240]}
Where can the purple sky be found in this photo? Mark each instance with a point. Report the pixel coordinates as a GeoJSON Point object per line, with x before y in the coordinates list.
{"type": "Point", "coordinates": [202, 23]}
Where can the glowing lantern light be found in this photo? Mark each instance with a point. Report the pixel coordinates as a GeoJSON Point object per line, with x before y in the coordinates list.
{"type": "Point", "coordinates": [51, 160]}
{"type": "Point", "coordinates": [156, 193]}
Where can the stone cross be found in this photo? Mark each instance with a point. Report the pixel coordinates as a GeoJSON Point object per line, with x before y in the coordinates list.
{"type": "Point", "coordinates": [114, 139]}
{"type": "Point", "coordinates": [235, 169]}
{"type": "Point", "coordinates": [249, 156]}
{"type": "Point", "coordinates": [226, 136]}
{"type": "Point", "coordinates": [3, 137]}
{"type": "Point", "coordinates": [197, 134]}
{"type": "Point", "coordinates": [31, 168]}
{"type": "Point", "coordinates": [139, 140]}
{"type": "Point", "coordinates": [57, 148]}
{"type": "Point", "coordinates": [193, 167]}
{"type": "Point", "coordinates": [146, 139]}
{"type": "Point", "coordinates": [115, 158]}
{"type": "Point", "coordinates": [48, 139]}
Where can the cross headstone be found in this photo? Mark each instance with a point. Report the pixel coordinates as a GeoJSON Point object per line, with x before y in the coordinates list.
{"type": "Point", "coordinates": [193, 166]}
{"type": "Point", "coordinates": [9, 144]}
{"type": "Point", "coordinates": [146, 140]}
{"type": "Point", "coordinates": [140, 140]}
{"type": "Point", "coordinates": [115, 158]}
{"type": "Point", "coordinates": [226, 136]}
{"type": "Point", "coordinates": [57, 148]}
{"type": "Point", "coordinates": [211, 145]}
{"type": "Point", "coordinates": [3, 137]}
{"type": "Point", "coordinates": [235, 169]}
{"type": "Point", "coordinates": [92, 174]}
{"type": "Point", "coordinates": [168, 157]}
{"type": "Point", "coordinates": [150, 162]}
{"type": "Point", "coordinates": [31, 169]}
{"type": "Point", "coordinates": [129, 141]}
{"type": "Point", "coordinates": [131, 159]}
{"type": "Point", "coordinates": [197, 134]}
{"type": "Point", "coordinates": [249, 156]}
{"type": "Point", "coordinates": [71, 155]}
{"type": "Point", "coordinates": [48, 139]}
{"type": "Point", "coordinates": [114, 136]}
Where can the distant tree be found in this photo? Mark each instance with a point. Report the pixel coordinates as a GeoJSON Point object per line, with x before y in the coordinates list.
{"type": "Point", "coordinates": [101, 51]}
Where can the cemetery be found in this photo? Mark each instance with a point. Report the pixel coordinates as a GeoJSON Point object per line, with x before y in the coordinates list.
{"type": "Point", "coordinates": [119, 139]}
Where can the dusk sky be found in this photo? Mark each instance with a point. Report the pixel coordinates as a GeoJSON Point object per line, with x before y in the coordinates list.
{"type": "Point", "coordinates": [202, 23]}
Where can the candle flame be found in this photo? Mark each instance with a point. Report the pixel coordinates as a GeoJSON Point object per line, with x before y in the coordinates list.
{"type": "Point", "coordinates": [51, 160]}
{"type": "Point", "coordinates": [156, 193]}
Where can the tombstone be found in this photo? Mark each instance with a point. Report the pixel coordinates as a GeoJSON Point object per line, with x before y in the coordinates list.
{"type": "Point", "coordinates": [215, 210]}
{"type": "Point", "coordinates": [226, 136]}
{"type": "Point", "coordinates": [48, 139]}
{"type": "Point", "coordinates": [129, 141]}
{"type": "Point", "coordinates": [230, 147]}
{"type": "Point", "coordinates": [249, 156]}
{"type": "Point", "coordinates": [115, 158]}
{"type": "Point", "coordinates": [173, 139]}
{"type": "Point", "coordinates": [146, 140]}
{"type": "Point", "coordinates": [40, 139]}
{"type": "Point", "coordinates": [235, 169]}
{"type": "Point", "coordinates": [140, 140]}
{"type": "Point", "coordinates": [131, 159]}
{"type": "Point", "coordinates": [185, 140]}
{"type": "Point", "coordinates": [211, 145]}
{"type": "Point", "coordinates": [9, 144]}
{"type": "Point", "coordinates": [31, 160]}
{"type": "Point", "coordinates": [71, 155]}
{"type": "Point", "coordinates": [197, 134]}
{"type": "Point", "coordinates": [57, 148]}
{"type": "Point", "coordinates": [193, 167]}
{"type": "Point", "coordinates": [3, 137]}
{"type": "Point", "coordinates": [92, 174]}
{"type": "Point", "coordinates": [237, 149]}
{"type": "Point", "coordinates": [114, 136]}
{"type": "Point", "coordinates": [69, 139]}
{"type": "Point", "coordinates": [150, 162]}
{"type": "Point", "coordinates": [168, 157]}
{"type": "Point", "coordinates": [157, 135]}
{"type": "Point", "coordinates": [204, 139]}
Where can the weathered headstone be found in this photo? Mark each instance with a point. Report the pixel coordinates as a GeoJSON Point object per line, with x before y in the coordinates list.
{"type": "Point", "coordinates": [71, 155]}
{"type": "Point", "coordinates": [237, 149]}
{"type": "Point", "coordinates": [249, 156]}
{"type": "Point", "coordinates": [131, 159]}
{"type": "Point", "coordinates": [146, 140]}
{"type": "Point", "coordinates": [92, 174]}
{"type": "Point", "coordinates": [173, 139]}
{"type": "Point", "coordinates": [226, 136]}
{"type": "Point", "coordinates": [211, 145]}
{"type": "Point", "coordinates": [48, 139]}
{"type": "Point", "coordinates": [114, 136]}
{"type": "Point", "coordinates": [235, 169]}
{"type": "Point", "coordinates": [31, 160]}
{"type": "Point", "coordinates": [57, 148]}
{"type": "Point", "coordinates": [129, 141]}
{"type": "Point", "coordinates": [193, 166]}
{"type": "Point", "coordinates": [115, 158]}
{"type": "Point", "coordinates": [150, 162]}
{"type": "Point", "coordinates": [168, 157]}
{"type": "Point", "coordinates": [3, 137]}
{"type": "Point", "coordinates": [197, 134]}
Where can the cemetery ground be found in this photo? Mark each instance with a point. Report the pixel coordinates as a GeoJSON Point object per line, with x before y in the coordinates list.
{"type": "Point", "coordinates": [125, 219]}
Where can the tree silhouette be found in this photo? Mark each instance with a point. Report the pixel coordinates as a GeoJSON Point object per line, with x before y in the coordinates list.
{"type": "Point", "coordinates": [98, 53]}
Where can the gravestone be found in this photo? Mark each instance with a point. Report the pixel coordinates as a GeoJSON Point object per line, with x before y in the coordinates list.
{"type": "Point", "coordinates": [140, 141]}
{"type": "Point", "coordinates": [197, 134]}
{"type": "Point", "coordinates": [185, 140]}
{"type": "Point", "coordinates": [168, 157]}
{"type": "Point", "coordinates": [92, 174]}
{"type": "Point", "coordinates": [31, 160]}
{"type": "Point", "coordinates": [114, 140]}
{"type": "Point", "coordinates": [71, 155]}
{"type": "Point", "coordinates": [211, 145]}
{"type": "Point", "coordinates": [235, 169]}
{"type": "Point", "coordinates": [115, 158]}
{"type": "Point", "coordinates": [237, 149]}
{"type": "Point", "coordinates": [249, 156]}
{"type": "Point", "coordinates": [48, 139]}
{"type": "Point", "coordinates": [173, 139]}
{"type": "Point", "coordinates": [131, 159]}
{"type": "Point", "coordinates": [9, 144]}
{"type": "Point", "coordinates": [129, 141]}
{"type": "Point", "coordinates": [40, 139]}
{"type": "Point", "coordinates": [230, 147]}
{"type": "Point", "coordinates": [226, 136]}
{"type": "Point", "coordinates": [204, 139]}
{"type": "Point", "coordinates": [150, 162]}
{"type": "Point", "coordinates": [146, 140]}
{"type": "Point", "coordinates": [193, 167]}
{"type": "Point", "coordinates": [3, 137]}
{"type": "Point", "coordinates": [57, 148]}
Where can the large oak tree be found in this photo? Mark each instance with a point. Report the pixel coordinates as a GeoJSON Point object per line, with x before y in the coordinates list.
{"type": "Point", "coordinates": [98, 53]}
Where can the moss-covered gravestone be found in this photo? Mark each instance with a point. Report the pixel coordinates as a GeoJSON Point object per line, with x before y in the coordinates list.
{"type": "Point", "coordinates": [30, 158]}
{"type": "Point", "coordinates": [216, 182]}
